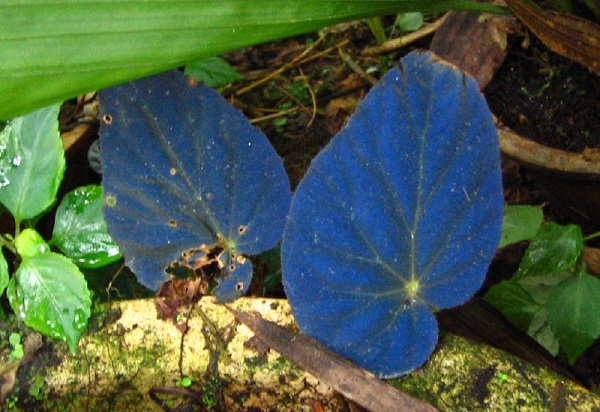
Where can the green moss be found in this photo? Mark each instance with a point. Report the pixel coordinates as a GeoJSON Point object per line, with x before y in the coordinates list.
{"type": "Point", "coordinates": [521, 386]}
{"type": "Point", "coordinates": [211, 390]}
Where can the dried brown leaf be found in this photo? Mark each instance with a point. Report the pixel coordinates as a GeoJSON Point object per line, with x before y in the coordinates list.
{"type": "Point", "coordinates": [570, 36]}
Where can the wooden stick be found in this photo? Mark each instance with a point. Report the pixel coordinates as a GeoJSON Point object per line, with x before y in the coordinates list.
{"type": "Point", "coordinates": [399, 42]}
{"type": "Point", "coordinates": [351, 381]}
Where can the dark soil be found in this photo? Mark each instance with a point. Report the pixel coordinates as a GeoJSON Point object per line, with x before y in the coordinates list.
{"type": "Point", "coordinates": [547, 98]}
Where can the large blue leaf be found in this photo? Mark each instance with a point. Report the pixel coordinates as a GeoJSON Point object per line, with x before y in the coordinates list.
{"type": "Point", "coordinates": [398, 215]}
{"type": "Point", "coordinates": [186, 173]}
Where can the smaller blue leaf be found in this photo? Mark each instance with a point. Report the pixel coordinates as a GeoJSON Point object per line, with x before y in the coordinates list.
{"type": "Point", "coordinates": [188, 181]}
{"type": "Point", "coordinates": [400, 214]}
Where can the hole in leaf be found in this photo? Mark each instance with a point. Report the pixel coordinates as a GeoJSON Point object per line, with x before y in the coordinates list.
{"type": "Point", "coordinates": [203, 262]}
{"type": "Point", "coordinates": [173, 223]}
{"type": "Point", "coordinates": [242, 229]}
{"type": "Point", "coordinates": [215, 252]}
{"type": "Point", "coordinates": [107, 119]}
{"type": "Point", "coordinates": [239, 286]}
{"type": "Point", "coordinates": [110, 200]}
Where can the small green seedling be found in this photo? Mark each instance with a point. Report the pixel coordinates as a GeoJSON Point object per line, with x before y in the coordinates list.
{"type": "Point", "coordinates": [15, 341]}
{"type": "Point", "coordinates": [11, 401]}
{"type": "Point", "coordinates": [552, 296]}
{"type": "Point", "coordinates": [211, 390]}
{"type": "Point", "coordinates": [36, 388]}
{"type": "Point", "coordinates": [212, 71]}
{"type": "Point", "coordinates": [184, 382]}
{"type": "Point", "coordinates": [502, 377]}
{"type": "Point", "coordinates": [46, 289]}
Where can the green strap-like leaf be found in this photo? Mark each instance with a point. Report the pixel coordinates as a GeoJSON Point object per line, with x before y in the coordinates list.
{"type": "Point", "coordinates": [51, 50]}
{"type": "Point", "coordinates": [32, 163]}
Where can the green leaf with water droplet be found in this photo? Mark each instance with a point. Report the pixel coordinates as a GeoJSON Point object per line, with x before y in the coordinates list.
{"type": "Point", "coordinates": [32, 163]}
{"type": "Point", "coordinates": [554, 249]}
{"type": "Point", "coordinates": [30, 243]}
{"type": "Point", "coordinates": [80, 229]}
{"type": "Point", "coordinates": [50, 294]}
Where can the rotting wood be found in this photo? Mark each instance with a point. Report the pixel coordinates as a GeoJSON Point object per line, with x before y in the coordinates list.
{"type": "Point", "coordinates": [119, 363]}
{"type": "Point", "coordinates": [476, 44]}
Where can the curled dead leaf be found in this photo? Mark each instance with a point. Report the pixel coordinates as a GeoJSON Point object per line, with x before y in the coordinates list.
{"type": "Point", "coordinates": [570, 36]}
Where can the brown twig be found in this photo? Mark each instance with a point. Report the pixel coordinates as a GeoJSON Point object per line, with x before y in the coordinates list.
{"type": "Point", "coordinates": [275, 115]}
{"type": "Point", "coordinates": [279, 71]}
{"type": "Point", "coordinates": [295, 62]}
{"type": "Point", "coordinates": [356, 68]}
{"type": "Point", "coordinates": [312, 97]}
{"type": "Point", "coordinates": [399, 42]}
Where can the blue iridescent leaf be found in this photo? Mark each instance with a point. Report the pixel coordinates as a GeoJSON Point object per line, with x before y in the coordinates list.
{"type": "Point", "coordinates": [188, 181]}
{"type": "Point", "coordinates": [400, 214]}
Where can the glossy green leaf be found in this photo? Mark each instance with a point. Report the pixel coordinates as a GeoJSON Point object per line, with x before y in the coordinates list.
{"type": "Point", "coordinates": [513, 302]}
{"type": "Point", "coordinates": [49, 293]}
{"type": "Point", "coordinates": [3, 273]}
{"type": "Point", "coordinates": [212, 71]}
{"type": "Point", "coordinates": [410, 21]}
{"type": "Point", "coordinates": [521, 222]}
{"type": "Point", "coordinates": [30, 243]}
{"type": "Point", "coordinates": [539, 287]}
{"type": "Point", "coordinates": [542, 333]}
{"type": "Point", "coordinates": [554, 249]}
{"type": "Point", "coordinates": [32, 163]}
{"type": "Point", "coordinates": [524, 311]}
{"type": "Point", "coordinates": [51, 50]}
{"type": "Point", "coordinates": [80, 229]}
{"type": "Point", "coordinates": [572, 310]}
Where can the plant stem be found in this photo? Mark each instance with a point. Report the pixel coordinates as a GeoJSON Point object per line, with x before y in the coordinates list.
{"type": "Point", "coordinates": [7, 243]}
{"type": "Point", "coordinates": [377, 29]}
{"type": "Point", "coordinates": [592, 236]}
